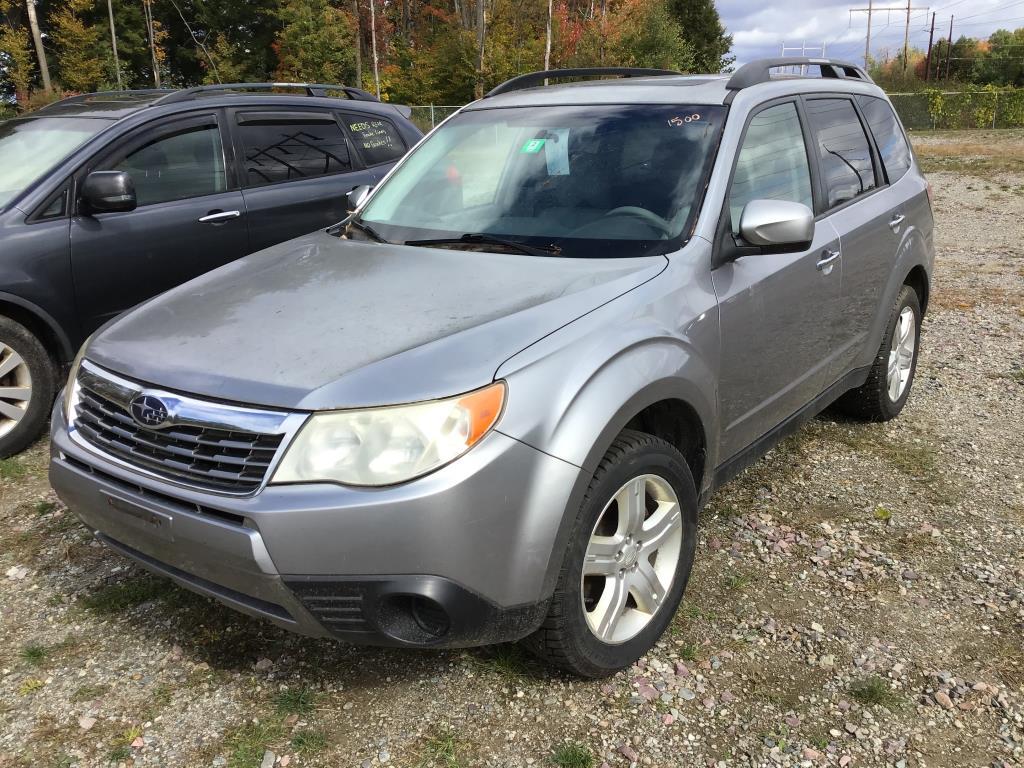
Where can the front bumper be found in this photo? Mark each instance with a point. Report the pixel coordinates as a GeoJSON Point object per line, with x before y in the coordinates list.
{"type": "Point", "coordinates": [456, 558]}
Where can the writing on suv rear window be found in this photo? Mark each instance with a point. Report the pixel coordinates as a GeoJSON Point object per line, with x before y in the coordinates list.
{"type": "Point", "coordinates": [843, 149]}
{"type": "Point", "coordinates": [376, 139]}
{"type": "Point", "coordinates": [892, 144]}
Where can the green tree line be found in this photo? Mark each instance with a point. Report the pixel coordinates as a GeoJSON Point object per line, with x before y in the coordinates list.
{"type": "Point", "coordinates": [415, 51]}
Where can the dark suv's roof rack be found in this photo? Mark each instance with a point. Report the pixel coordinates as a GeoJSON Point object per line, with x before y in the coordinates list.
{"type": "Point", "coordinates": [536, 78]}
{"type": "Point", "coordinates": [759, 70]}
{"type": "Point", "coordinates": [311, 89]}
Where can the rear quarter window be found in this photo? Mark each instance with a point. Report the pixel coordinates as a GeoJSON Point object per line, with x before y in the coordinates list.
{"type": "Point", "coordinates": [376, 139]}
{"type": "Point", "coordinates": [889, 137]}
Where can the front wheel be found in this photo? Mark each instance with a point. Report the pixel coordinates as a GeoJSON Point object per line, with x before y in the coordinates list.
{"type": "Point", "coordinates": [27, 385]}
{"type": "Point", "coordinates": [629, 558]}
{"type": "Point", "coordinates": [887, 388]}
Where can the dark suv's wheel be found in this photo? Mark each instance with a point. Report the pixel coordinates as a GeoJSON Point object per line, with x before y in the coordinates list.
{"type": "Point", "coordinates": [628, 561]}
{"type": "Point", "coordinates": [27, 384]}
{"type": "Point", "coordinates": [887, 388]}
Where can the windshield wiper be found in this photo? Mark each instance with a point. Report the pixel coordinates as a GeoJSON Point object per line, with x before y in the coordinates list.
{"type": "Point", "coordinates": [475, 238]}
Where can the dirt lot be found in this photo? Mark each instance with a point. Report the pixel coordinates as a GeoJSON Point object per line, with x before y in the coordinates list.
{"type": "Point", "coordinates": [858, 598]}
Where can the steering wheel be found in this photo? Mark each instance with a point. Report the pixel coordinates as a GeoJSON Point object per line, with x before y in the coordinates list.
{"type": "Point", "coordinates": [648, 217]}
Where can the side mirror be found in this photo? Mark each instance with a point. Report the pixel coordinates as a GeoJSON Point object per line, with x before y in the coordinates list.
{"type": "Point", "coordinates": [109, 191]}
{"type": "Point", "coordinates": [776, 223]}
{"type": "Point", "coordinates": [357, 197]}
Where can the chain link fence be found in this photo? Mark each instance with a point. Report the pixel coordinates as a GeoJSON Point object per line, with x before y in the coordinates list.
{"type": "Point", "coordinates": [427, 116]}
{"type": "Point", "coordinates": [982, 108]}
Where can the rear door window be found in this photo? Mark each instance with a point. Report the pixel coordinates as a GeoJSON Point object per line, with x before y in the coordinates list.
{"type": "Point", "coordinates": [376, 139]}
{"type": "Point", "coordinates": [844, 153]}
{"type": "Point", "coordinates": [280, 147]}
{"type": "Point", "coordinates": [889, 138]}
{"type": "Point", "coordinates": [772, 163]}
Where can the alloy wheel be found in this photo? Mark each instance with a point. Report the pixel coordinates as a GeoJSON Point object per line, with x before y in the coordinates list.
{"type": "Point", "coordinates": [15, 389]}
{"type": "Point", "coordinates": [631, 558]}
{"type": "Point", "coordinates": [901, 354]}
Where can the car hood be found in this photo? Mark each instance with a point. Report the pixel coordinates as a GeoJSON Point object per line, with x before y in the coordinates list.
{"type": "Point", "coordinates": [321, 322]}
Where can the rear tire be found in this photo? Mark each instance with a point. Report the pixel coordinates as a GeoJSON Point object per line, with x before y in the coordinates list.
{"type": "Point", "coordinates": [649, 468]}
{"type": "Point", "coordinates": [27, 386]}
{"type": "Point", "coordinates": [887, 388]}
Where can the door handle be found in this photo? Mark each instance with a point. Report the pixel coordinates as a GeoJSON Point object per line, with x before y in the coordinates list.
{"type": "Point", "coordinates": [828, 258]}
{"type": "Point", "coordinates": [217, 217]}
{"type": "Point", "coordinates": [895, 221]}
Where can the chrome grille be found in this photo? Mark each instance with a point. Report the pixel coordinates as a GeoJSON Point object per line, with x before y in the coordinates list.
{"type": "Point", "coordinates": [208, 456]}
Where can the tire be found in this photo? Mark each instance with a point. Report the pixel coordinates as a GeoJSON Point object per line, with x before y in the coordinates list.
{"type": "Point", "coordinates": [874, 400]}
{"type": "Point", "coordinates": [565, 639]}
{"type": "Point", "coordinates": [26, 369]}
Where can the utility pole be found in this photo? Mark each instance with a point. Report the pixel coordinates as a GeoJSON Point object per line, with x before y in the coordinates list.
{"type": "Point", "coordinates": [37, 38]}
{"type": "Point", "coordinates": [113, 43]}
{"type": "Point", "coordinates": [906, 31]}
{"type": "Point", "coordinates": [373, 40]}
{"type": "Point", "coordinates": [928, 58]}
{"type": "Point", "coordinates": [949, 46]}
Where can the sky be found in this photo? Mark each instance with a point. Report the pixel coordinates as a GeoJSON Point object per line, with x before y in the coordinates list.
{"type": "Point", "coordinates": [760, 29]}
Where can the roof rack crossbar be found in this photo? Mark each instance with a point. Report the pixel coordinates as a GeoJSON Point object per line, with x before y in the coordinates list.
{"type": "Point", "coordinates": [311, 89]}
{"type": "Point", "coordinates": [759, 70]}
{"type": "Point", "coordinates": [536, 78]}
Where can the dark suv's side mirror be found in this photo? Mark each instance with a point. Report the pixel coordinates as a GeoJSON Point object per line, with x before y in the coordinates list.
{"type": "Point", "coordinates": [357, 197]}
{"type": "Point", "coordinates": [108, 191]}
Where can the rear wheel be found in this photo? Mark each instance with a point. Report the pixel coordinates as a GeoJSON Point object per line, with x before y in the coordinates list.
{"type": "Point", "coordinates": [27, 385]}
{"type": "Point", "coordinates": [629, 558]}
{"type": "Point", "coordinates": [887, 388]}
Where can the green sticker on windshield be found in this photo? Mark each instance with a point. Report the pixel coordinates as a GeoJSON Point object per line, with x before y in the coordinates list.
{"type": "Point", "coordinates": [532, 147]}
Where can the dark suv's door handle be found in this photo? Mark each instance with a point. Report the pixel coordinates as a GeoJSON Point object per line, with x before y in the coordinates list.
{"type": "Point", "coordinates": [217, 217]}
{"type": "Point", "coordinates": [895, 221]}
{"type": "Point", "coordinates": [828, 258]}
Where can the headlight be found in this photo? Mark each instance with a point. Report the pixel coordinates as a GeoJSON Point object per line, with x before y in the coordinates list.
{"type": "Point", "coordinates": [384, 446]}
{"type": "Point", "coordinates": [70, 393]}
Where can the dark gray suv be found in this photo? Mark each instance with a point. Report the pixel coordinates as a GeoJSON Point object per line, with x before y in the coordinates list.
{"type": "Point", "coordinates": [107, 199]}
{"type": "Point", "coordinates": [490, 404]}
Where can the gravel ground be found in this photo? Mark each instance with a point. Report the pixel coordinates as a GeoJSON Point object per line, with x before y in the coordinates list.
{"type": "Point", "coordinates": [858, 598]}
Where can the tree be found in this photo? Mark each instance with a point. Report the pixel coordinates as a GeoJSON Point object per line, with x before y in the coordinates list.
{"type": "Point", "coordinates": [16, 67]}
{"type": "Point", "coordinates": [648, 36]}
{"type": "Point", "coordinates": [702, 28]}
{"type": "Point", "coordinates": [315, 43]}
{"type": "Point", "coordinates": [79, 56]}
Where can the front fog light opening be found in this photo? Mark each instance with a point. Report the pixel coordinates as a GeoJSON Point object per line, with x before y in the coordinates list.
{"type": "Point", "coordinates": [413, 619]}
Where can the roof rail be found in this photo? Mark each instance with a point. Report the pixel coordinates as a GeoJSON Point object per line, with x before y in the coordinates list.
{"type": "Point", "coordinates": [759, 70]}
{"type": "Point", "coordinates": [536, 78]}
{"type": "Point", "coordinates": [311, 89]}
{"type": "Point", "coordinates": [122, 95]}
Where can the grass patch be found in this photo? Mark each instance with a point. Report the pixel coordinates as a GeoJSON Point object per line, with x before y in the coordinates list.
{"type": "Point", "coordinates": [737, 582]}
{"type": "Point", "coordinates": [12, 469]}
{"type": "Point", "coordinates": [688, 651]}
{"type": "Point", "coordinates": [308, 742]}
{"type": "Point", "coordinates": [29, 685]}
{"type": "Point", "coordinates": [295, 701]}
{"type": "Point", "coordinates": [119, 754]}
{"type": "Point", "coordinates": [444, 749]}
{"type": "Point", "coordinates": [572, 755]}
{"type": "Point", "coordinates": [43, 507]}
{"type": "Point", "coordinates": [882, 514]}
{"type": "Point", "coordinates": [874, 690]}
{"type": "Point", "coordinates": [117, 598]}
{"type": "Point", "coordinates": [508, 660]}
{"type": "Point", "coordinates": [35, 654]}
{"type": "Point", "coordinates": [247, 743]}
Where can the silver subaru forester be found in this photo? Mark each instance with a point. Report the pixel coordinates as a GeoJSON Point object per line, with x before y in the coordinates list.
{"type": "Point", "coordinates": [489, 404]}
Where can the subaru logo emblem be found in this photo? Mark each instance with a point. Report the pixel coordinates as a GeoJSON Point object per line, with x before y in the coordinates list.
{"type": "Point", "coordinates": [149, 411]}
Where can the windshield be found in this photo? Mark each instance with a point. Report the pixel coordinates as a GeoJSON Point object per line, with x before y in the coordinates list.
{"type": "Point", "coordinates": [587, 181]}
{"type": "Point", "coordinates": [29, 147]}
